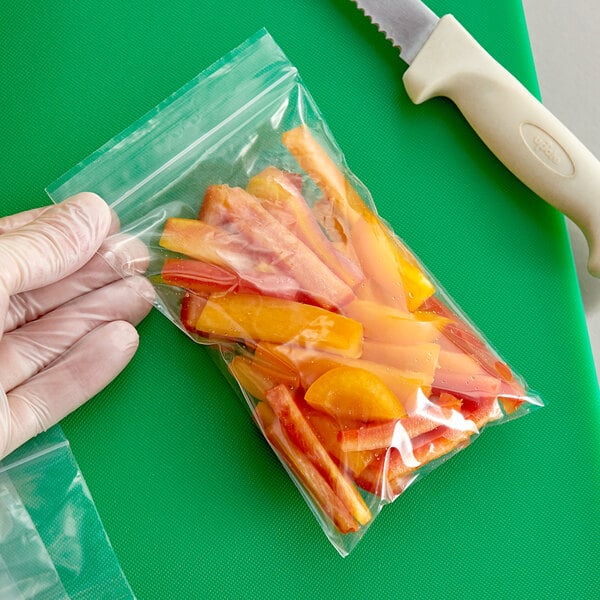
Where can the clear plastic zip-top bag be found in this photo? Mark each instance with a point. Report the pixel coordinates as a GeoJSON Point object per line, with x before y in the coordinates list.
{"type": "Point", "coordinates": [360, 371]}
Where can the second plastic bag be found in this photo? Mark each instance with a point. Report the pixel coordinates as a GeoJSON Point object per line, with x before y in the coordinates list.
{"type": "Point", "coordinates": [52, 543]}
{"type": "Point", "coordinates": [360, 371]}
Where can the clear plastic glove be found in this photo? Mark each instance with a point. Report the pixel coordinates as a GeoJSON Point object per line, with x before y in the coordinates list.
{"type": "Point", "coordinates": [67, 320]}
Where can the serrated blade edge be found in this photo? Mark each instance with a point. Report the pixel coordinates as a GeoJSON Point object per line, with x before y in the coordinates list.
{"type": "Point", "coordinates": [406, 23]}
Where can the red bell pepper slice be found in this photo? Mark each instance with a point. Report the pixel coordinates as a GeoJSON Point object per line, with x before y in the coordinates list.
{"type": "Point", "coordinates": [299, 431]}
{"type": "Point", "coordinates": [256, 271]}
{"type": "Point", "coordinates": [286, 250]}
{"type": "Point", "coordinates": [191, 308]}
{"type": "Point", "coordinates": [381, 435]}
{"type": "Point", "coordinates": [306, 472]}
{"type": "Point", "coordinates": [198, 276]}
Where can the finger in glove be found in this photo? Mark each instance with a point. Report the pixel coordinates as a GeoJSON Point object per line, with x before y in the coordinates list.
{"type": "Point", "coordinates": [76, 376]}
{"type": "Point", "coordinates": [30, 348]}
{"type": "Point", "coordinates": [55, 244]}
{"type": "Point", "coordinates": [118, 254]}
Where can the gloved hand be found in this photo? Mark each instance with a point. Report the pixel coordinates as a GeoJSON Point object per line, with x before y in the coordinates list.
{"type": "Point", "coordinates": [66, 317]}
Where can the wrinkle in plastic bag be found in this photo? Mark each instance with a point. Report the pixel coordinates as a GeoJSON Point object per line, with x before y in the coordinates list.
{"type": "Point", "coordinates": [52, 543]}
{"type": "Point", "coordinates": [361, 372]}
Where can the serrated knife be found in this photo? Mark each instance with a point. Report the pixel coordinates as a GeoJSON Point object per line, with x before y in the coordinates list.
{"type": "Point", "coordinates": [445, 60]}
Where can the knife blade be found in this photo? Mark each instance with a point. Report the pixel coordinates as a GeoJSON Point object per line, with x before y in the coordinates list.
{"type": "Point", "coordinates": [445, 60]}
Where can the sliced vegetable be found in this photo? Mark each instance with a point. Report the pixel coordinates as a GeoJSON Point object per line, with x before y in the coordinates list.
{"type": "Point", "coordinates": [198, 276]}
{"type": "Point", "coordinates": [263, 231]}
{"type": "Point", "coordinates": [382, 257]}
{"type": "Point", "coordinates": [313, 158]}
{"type": "Point", "coordinates": [280, 192]}
{"type": "Point", "coordinates": [252, 379]}
{"type": "Point", "coordinates": [257, 376]}
{"type": "Point", "coordinates": [308, 475]}
{"type": "Point", "coordinates": [464, 337]}
{"type": "Point", "coordinates": [381, 435]}
{"type": "Point", "coordinates": [420, 358]}
{"type": "Point", "coordinates": [299, 432]}
{"type": "Point", "coordinates": [476, 386]}
{"type": "Point", "coordinates": [213, 209]}
{"type": "Point", "coordinates": [379, 259]}
{"type": "Point", "coordinates": [199, 240]}
{"type": "Point", "coordinates": [354, 393]}
{"type": "Point", "coordinates": [256, 318]}
{"type": "Point", "coordinates": [255, 270]}
{"type": "Point", "coordinates": [328, 429]}
{"type": "Point", "coordinates": [271, 362]}
{"type": "Point", "coordinates": [369, 437]}
{"type": "Point", "coordinates": [191, 308]}
{"type": "Point", "coordinates": [390, 325]}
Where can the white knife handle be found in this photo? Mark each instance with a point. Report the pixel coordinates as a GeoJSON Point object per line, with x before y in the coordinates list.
{"type": "Point", "coordinates": [518, 129]}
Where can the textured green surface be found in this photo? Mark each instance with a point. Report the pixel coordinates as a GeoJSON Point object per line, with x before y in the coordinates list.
{"type": "Point", "coordinates": [193, 501]}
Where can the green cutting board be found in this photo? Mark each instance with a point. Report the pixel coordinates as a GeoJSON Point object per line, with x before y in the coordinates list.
{"type": "Point", "coordinates": [195, 504]}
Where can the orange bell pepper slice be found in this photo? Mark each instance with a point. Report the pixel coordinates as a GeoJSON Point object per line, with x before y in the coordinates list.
{"type": "Point", "coordinates": [354, 393]}
{"type": "Point", "coordinates": [313, 158]}
{"type": "Point", "coordinates": [253, 381]}
{"type": "Point", "coordinates": [257, 377]}
{"type": "Point", "coordinates": [255, 318]}
{"type": "Point", "coordinates": [387, 262]}
{"type": "Point", "coordinates": [382, 257]}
